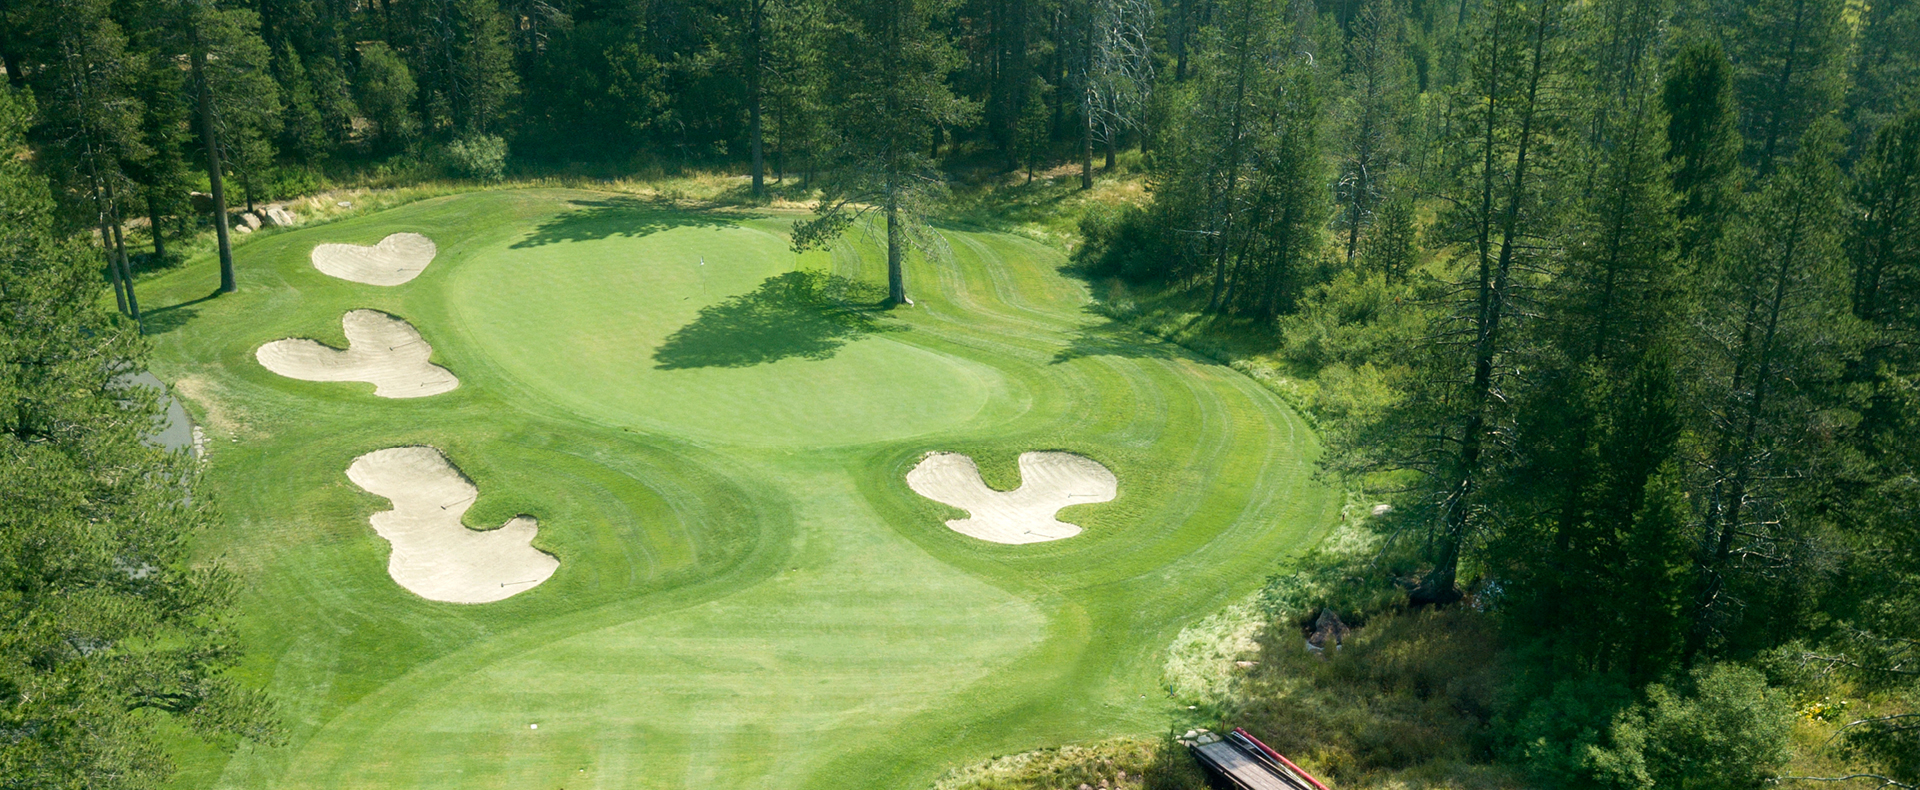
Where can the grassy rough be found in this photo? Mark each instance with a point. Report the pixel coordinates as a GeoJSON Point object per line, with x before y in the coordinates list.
{"type": "Point", "coordinates": [748, 593]}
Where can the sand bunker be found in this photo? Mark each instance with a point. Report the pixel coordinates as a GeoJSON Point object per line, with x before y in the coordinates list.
{"type": "Point", "coordinates": [381, 350]}
{"type": "Point", "coordinates": [1048, 482]}
{"type": "Point", "coordinates": [395, 260]}
{"type": "Point", "coordinates": [434, 555]}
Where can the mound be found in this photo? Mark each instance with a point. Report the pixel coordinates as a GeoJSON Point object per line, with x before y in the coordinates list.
{"type": "Point", "coordinates": [1048, 482]}
{"type": "Point", "coordinates": [395, 260]}
{"type": "Point", "coordinates": [434, 555]}
{"type": "Point", "coordinates": [381, 350]}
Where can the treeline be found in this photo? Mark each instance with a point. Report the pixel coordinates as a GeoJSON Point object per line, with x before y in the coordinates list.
{"type": "Point", "coordinates": [113, 639]}
{"type": "Point", "coordinates": [1618, 303]}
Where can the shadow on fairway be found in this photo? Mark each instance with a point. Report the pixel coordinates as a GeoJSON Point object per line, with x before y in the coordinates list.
{"type": "Point", "coordinates": [619, 216]}
{"type": "Point", "coordinates": [804, 314]}
{"type": "Point", "coordinates": [1118, 339]}
{"type": "Point", "coordinates": [162, 320]}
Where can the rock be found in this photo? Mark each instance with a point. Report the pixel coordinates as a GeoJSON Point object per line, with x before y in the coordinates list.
{"type": "Point", "coordinates": [1328, 630]}
{"type": "Point", "coordinates": [242, 228]}
{"type": "Point", "coordinates": [1381, 510]}
{"type": "Point", "coordinates": [1246, 664]}
{"type": "Point", "coordinates": [202, 202]}
{"type": "Point", "coordinates": [278, 217]}
{"type": "Point", "coordinates": [345, 204]}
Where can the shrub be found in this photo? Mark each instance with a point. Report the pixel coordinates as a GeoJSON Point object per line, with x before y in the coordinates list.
{"type": "Point", "coordinates": [1406, 689]}
{"type": "Point", "coordinates": [1723, 729]}
{"type": "Point", "coordinates": [1120, 241]}
{"type": "Point", "coordinates": [478, 156]}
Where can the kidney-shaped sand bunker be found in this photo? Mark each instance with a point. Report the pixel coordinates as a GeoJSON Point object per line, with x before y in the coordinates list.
{"type": "Point", "coordinates": [1049, 481]}
{"type": "Point", "coordinates": [434, 555]}
{"type": "Point", "coordinates": [381, 350]}
{"type": "Point", "coordinates": [395, 260]}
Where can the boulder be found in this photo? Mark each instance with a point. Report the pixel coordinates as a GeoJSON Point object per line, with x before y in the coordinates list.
{"type": "Point", "coordinates": [249, 220]}
{"type": "Point", "coordinates": [241, 227]}
{"type": "Point", "coordinates": [1328, 631]}
{"type": "Point", "coordinates": [201, 201]}
{"type": "Point", "coordinates": [278, 217]}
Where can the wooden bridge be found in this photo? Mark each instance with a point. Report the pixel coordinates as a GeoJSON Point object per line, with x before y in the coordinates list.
{"type": "Point", "coordinates": [1245, 763]}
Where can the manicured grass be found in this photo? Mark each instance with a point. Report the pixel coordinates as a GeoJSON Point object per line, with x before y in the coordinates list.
{"type": "Point", "coordinates": [748, 593]}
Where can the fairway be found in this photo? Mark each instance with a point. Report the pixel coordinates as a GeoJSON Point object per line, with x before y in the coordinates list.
{"type": "Point", "coordinates": [713, 434]}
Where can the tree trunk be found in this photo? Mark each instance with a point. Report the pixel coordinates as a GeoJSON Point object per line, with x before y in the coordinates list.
{"type": "Point", "coordinates": [159, 233]}
{"type": "Point", "coordinates": [221, 236]}
{"type": "Point", "coordinates": [756, 10]}
{"type": "Point", "coordinates": [1110, 154]}
{"type": "Point", "coordinates": [759, 168]}
{"type": "Point", "coordinates": [126, 270]}
{"type": "Point", "coordinates": [14, 77]}
{"type": "Point", "coordinates": [1181, 29]}
{"type": "Point", "coordinates": [1439, 584]}
{"type": "Point", "coordinates": [1729, 496]}
{"type": "Point", "coordinates": [1780, 89]}
{"type": "Point", "coordinates": [113, 270]}
{"type": "Point", "coordinates": [1086, 156]}
{"type": "Point", "coordinates": [896, 239]}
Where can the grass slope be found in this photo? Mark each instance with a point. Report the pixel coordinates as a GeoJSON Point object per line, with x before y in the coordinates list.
{"type": "Point", "coordinates": [748, 593]}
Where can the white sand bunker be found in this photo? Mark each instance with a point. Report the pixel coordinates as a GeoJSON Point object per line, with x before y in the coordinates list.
{"type": "Point", "coordinates": [395, 260]}
{"type": "Point", "coordinates": [434, 555]}
{"type": "Point", "coordinates": [1048, 482]}
{"type": "Point", "coordinates": [381, 350]}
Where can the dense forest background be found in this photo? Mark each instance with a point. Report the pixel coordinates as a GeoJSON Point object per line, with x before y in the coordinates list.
{"type": "Point", "coordinates": [1615, 302]}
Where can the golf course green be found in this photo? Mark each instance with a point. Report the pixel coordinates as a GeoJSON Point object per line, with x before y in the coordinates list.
{"type": "Point", "coordinates": [713, 433]}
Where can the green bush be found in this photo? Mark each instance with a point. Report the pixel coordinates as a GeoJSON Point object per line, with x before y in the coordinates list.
{"type": "Point", "coordinates": [1559, 737]}
{"type": "Point", "coordinates": [1120, 241]}
{"type": "Point", "coordinates": [481, 157]}
{"type": "Point", "coordinates": [291, 181]}
{"type": "Point", "coordinates": [1723, 729]}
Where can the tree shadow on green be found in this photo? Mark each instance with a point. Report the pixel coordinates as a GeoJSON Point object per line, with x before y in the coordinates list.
{"type": "Point", "coordinates": [162, 320]}
{"type": "Point", "coordinates": [620, 216]}
{"type": "Point", "coordinates": [803, 314]}
{"type": "Point", "coordinates": [1116, 338]}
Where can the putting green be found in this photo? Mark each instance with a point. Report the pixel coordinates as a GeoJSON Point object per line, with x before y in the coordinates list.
{"type": "Point", "coordinates": [581, 324]}
{"type": "Point", "coordinates": [748, 593]}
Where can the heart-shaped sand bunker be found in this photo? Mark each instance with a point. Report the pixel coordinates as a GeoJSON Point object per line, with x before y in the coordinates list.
{"type": "Point", "coordinates": [381, 350]}
{"type": "Point", "coordinates": [1048, 481]}
{"type": "Point", "coordinates": [434, 555]}
{"type": "Point", "coordinates": [395, 260]}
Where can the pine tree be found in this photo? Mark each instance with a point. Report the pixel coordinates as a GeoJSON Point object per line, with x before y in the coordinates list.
{"type": "Point", "coordinates": [1886, 67]}
{"type": "Point", "coordinates": [1879, 599]}
{"type": "Point", "coordinates": [1503, 200]}
{"type": "Point", "coordinates": [1371, 114]}
{"type": "Point", "coordinates": [1703, 146]}
{"type": "Point", "coordinates": [1773, 326]}
{"type": "Point", "coordinates": [1787, 56]}
{"type": "Point", "coordinates": [1113, 72]}
{"type": "Point", "coordinates": [304, 129]}
{"type": "Point", "coordinates": [90, 118]}
{"type": "Point", "coordinates": [463, 63]}
{"type": "Point", "coordinates": [236, 102]}
{"type": "Point", "coordinates": [1030, 133]}
{"type": "Point", "coordinates": [109, 636]}
{"type": "Point", "coordinates": [1239, 183]}
{"type": "Point", "coordinates": [386, 90]}
{"type": "Point", "coordinates": [885, 106]}
{"type": "Point", "coordinates": [166, 132]}
{"type": "Point", "coordinates": [1594, 489]}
